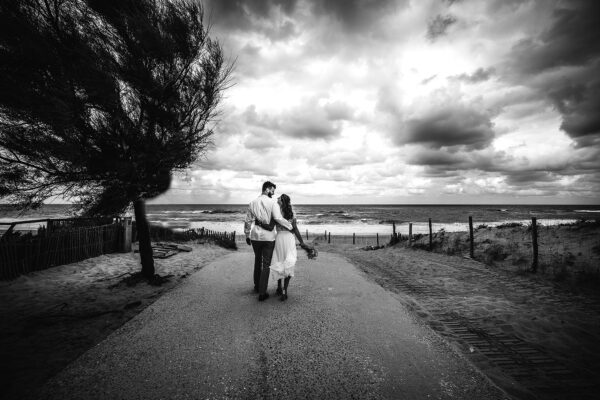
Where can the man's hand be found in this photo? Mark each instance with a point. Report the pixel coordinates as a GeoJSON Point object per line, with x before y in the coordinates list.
{"type": "Point", "coordinates": [248, 242]}
{"type": "Point", "coordinates": [267, 227]}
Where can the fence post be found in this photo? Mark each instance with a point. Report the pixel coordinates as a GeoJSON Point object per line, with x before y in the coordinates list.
{"type": "Point", "coordinates": [126, 222]}
{"type": "Point", "coordinates": [430, 236]}
{"type": "Point", "coordinates": [378, 240]}
{"type": "Point", "coordinates": [394, 229]}
{"type": "Point", "coordinates": [307, 234]}
{"type": "Point", "coordinates": [329, 240]}
{"type": "Point", "coordinates": [409, 234]}
{"type": "Point", "coordinates": [9, 230]}
{"type": "Point", "coordinates": [534, 264]}
{"type": "Point", "coordinates": [353, 238]}
{"type": "Point", "coordinates": [471, 234]}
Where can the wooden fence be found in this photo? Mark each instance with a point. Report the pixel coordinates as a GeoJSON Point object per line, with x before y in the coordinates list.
{"type": "Point", "coordinates": [160, 233]}
{"type": "Point", "coordinates": [224, 239]}
{"type": "Point", "coordinates": [59, 242]}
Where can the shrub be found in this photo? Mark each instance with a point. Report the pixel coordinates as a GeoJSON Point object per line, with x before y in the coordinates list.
{"type": "Point", "coordinates": [452, 251]}
{"type": "Point", "coordinates": [519, 260]}
{"type": "Point", "coordinates": [495, 252]}
{"type": "Point", "coordinates": [420, 246]}
{"type": "Point", "coordinates": [454, 246]}
{"type": "Point", "coordinates": [509, 225]}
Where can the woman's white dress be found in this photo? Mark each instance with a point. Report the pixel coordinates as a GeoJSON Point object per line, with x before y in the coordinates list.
{"type": "Point", "coordinates": [284, 256]}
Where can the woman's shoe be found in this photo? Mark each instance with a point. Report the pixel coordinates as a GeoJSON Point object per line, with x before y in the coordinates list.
{"type": "Point", "coordinates": [283, 297]}
{"type": "Point", "coordinates": [279, 292]}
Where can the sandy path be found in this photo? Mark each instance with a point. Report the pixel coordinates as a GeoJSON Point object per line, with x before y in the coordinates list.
{"type": "Point", "coordinates": [339, 335]}
{"type": "Point", "coordinates": [50, 317]}
{"type": "Point", "coordinates": [543, 337]}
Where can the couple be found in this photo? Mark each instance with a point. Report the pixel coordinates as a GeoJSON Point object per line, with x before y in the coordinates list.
{"type": "Point", "coordinates": [273, 250]}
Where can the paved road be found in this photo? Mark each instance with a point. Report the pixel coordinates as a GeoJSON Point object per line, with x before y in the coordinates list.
{"type": "Point", "coordinates": [338, 335]}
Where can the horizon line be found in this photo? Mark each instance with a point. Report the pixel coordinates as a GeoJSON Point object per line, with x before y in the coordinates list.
{"type": "Point", "coordinates": [349, 204]}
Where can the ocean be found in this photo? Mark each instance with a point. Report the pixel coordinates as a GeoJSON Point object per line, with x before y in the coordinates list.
{"type": "Point", "coordinates": [342, 219]}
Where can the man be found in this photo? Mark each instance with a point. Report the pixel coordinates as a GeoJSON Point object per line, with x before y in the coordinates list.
{"type": "Point", "coordinates": [263, 241]}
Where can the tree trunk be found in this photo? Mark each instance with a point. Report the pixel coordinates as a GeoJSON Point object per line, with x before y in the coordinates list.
{"type": "Point", "coordinates": [143, 234]}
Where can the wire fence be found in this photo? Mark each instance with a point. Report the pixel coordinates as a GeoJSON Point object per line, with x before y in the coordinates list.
{"type": "Point", "coordinates": [328, 237]}
{"type": "Point", "coordinates": [557, 249]}
{"type": "Point", "coordinates": [537, 246]}
{"type": "Point", "coordinates": [557, 255]}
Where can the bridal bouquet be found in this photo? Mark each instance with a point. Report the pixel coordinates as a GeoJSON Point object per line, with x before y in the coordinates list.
{"type": "Point", "coordinates": [311, 251]}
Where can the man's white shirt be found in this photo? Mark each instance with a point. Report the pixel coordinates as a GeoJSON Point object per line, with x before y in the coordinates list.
{"type": "Point", "coordinates": [263, 208]}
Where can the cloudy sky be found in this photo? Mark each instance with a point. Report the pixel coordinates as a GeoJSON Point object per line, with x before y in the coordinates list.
{"type": "Point", "coordinates": [405, 102]}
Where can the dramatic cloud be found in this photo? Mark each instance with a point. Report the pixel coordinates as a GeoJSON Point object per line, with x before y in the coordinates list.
{"type": "Point", "coordinates": [480, 75]}
{"type": "Point", "coordinates": [273, 17]}
{"type": "Point", "coordinates": [443, 163]}
{"type": "Point", "coordinates": [356, 15]}
{"type": "Point", "coordinates": [568, 54]}
{"type": "Point", "coordinates": [525, 178]}
{"type": "Point", "coordinates": [309, 120]}
{"type": "Point", "coordinates": [338, 111]}
{"type": "Point", "coordinates": [439, 25]}
{"type": "Point", "coordinates": [312, 128]}
{"type": "Point", "coordinates": [252, 15]}
{"type": "Point", "coordinates": [437, 158]}
{"type": "Point", "coordinates": [450, 127]}
{"type": "Point", "coordinates": [570, 40]}
{"type": "Point", "coordinates": [258, 140]}
{"type": "Point", "coordinates": [388, 101]}
{"type": "Point", "coordinates": [579, 104]}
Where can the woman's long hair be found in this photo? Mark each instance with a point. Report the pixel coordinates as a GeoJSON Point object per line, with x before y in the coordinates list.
{"type": "Point", "coordinates": [286, 207]}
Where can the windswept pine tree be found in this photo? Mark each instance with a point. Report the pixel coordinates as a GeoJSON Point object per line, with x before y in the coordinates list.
{"type": "Point", "coordinates": [102, 100]}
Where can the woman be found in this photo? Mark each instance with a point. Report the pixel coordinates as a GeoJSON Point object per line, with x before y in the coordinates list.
{"type": "Point", "coordinates": [284, 255]}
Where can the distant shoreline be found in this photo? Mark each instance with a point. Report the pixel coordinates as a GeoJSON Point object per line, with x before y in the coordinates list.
{"type": "Point", "coordinates": [384, 229]}
{"type": "Point", "coordinates": [499, 205]}
{"type": "Point", "coordinates": [342, 219]}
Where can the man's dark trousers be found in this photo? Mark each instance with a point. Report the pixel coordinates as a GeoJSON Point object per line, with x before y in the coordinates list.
{"type": "Point", "coordinates": [263, 252]}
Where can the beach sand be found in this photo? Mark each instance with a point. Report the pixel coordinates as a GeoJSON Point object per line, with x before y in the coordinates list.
{"type": "Point", "coordinates": [541, 329]}
{"type": "Point", "coordinates": [51, 317]}
{"type": "Point", "coordinates": [567, 254]}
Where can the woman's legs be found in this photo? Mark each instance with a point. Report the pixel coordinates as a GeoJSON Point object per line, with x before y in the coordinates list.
{"type": "Point", "coordinates": [286, 282]}
{"type": "Point", "coordinates": [279, 289]}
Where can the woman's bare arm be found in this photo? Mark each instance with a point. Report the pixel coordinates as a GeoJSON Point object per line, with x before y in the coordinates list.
{"type": "Point", "coordinates": [268, 227]}
{"type": "Point", "coordinates": [297, 232]}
